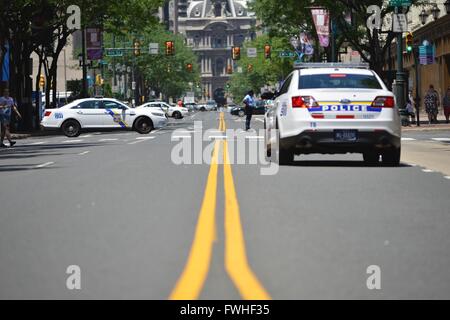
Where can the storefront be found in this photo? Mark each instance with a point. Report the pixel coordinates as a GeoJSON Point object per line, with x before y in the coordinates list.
{"type": "Point", "coordinates": [437, 34]}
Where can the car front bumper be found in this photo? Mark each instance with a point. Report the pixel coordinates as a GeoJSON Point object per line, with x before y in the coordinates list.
{"type": "Point", "coordinates": [160, 122]}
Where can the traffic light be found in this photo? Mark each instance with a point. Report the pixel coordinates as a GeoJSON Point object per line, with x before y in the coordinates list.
{"type": "Point", "coordinates": [409, 42]}
{"type": "Point", "coordinates": [41, 81]}
{"type": "Point", "coordinates": [236, 53]}
{"type": "Point", "coordinates": [170, 49]}
{"type": "Point", "coordinates": [189, 67]}
{"type": "Point", "coordinates": [229, 69]}
{"type": "Point", "coordinates": [136, 48]}
{"type": "Point", "coordinates": [267, 51]}
{"type": "Point", "coordinates": [250, 68]}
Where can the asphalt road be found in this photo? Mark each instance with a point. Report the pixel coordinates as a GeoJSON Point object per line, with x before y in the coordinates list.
{"type": "Point", "coordinates": [140, 226]}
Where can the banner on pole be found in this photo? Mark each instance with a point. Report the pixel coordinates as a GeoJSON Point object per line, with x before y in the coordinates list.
{"type": "Point", "coordinates": [94, 44]}
{"type": "Point", "coordinates": [321, 19]}
{"type": "Point", "coordinates": [4, 74]}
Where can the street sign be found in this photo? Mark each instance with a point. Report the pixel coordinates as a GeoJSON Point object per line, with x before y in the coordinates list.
{"type": "Point", "coordinates": [114, 52]}
{"type": "Point", "coordinates": [426, 54]}
{"type": "Point", "coordinates": [286, 54]}
{"type": "Point", "coordinates": [400, 3]}
{"type": "Point", "coordinates": [400, 23]}
{"type": "Point", "coordinates": [153, 48]}
{"type": "Point", "coordinates": [252, 53]}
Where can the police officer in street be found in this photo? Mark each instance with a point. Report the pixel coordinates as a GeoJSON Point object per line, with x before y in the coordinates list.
{"type": "Point", "coordinates": [249, 102]}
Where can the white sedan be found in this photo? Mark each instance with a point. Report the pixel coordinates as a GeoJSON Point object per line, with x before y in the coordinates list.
{"type": "Point", "coordinates": [334, 108]}
{"type": "Point", "coordinates": [176, 111]}
{"type": "Point", "coordinates": [94, 113]}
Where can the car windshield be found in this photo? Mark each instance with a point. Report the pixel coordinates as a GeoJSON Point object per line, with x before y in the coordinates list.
{"type": "Point", "coordinates": [338, 81]}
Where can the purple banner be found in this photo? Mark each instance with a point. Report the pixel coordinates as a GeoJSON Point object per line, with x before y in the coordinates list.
{"type": "Point", "coordinates": [4, 74]}
{"type": "Point", "coordinates": [94, 44]}
{"type": "Point", "coordinates": [321, 19]}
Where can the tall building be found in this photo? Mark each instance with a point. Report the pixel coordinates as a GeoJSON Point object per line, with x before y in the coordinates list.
{"type": "Point", "coordinates": [212, 28]}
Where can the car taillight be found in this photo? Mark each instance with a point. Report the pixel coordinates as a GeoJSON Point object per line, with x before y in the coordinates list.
{"type": "Point", "coordinates": [304, 102]}
{"type": "Point", "coordinates": [47, 113]}
{"type": "Point", "coordinates": [383, 102]}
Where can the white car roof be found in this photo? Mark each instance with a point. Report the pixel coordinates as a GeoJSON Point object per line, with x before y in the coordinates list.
{"type": "Point", "coordinates": [75, 102]}
{"type": "Point", "coordinates": [313, 71]}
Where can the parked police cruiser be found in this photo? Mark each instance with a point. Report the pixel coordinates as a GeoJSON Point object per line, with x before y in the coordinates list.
{"type": "Point", "coordinates": [333, 108]}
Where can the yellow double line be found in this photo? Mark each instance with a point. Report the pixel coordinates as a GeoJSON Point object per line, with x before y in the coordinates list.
{"type": "Point", "coordinates": [192, 279]}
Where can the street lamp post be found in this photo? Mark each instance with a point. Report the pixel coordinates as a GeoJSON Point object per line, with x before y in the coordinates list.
{"type": "Point", "coordinates": [400, 76]}
{"type": "Point", "coordinates": [435, 12]}
{"type": "Point", "coordinates": [82, 60]}
{"type": "Point", "coordinates": [423, 16]}
{"type": "Point", "coordinates": [447, 6]}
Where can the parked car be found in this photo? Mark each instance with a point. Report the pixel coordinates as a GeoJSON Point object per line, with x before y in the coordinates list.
{"type": "Point", "coordinates": [261, 108]}
{"type": "Point", "coordinates": [93, 113]}
{"type": "Point", "coordinates": [172, 110]}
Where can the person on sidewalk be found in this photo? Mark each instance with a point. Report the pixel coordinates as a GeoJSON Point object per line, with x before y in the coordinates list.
{"type": "Point", "coordinates": [410, 110]}
{"type": "Point", "coordinates": [446, 105]}
{"type": "Point", "coordinates": [249, 102]}
{"type": "Point", "coordinates": [7, 105]}
{"type": "Point", "coordinates": [431, 101]}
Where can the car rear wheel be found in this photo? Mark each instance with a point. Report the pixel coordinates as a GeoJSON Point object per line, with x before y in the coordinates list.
{"type": "Point", "coordinates": [282, 156]}
{"type": "Point", "coordinates": [371, 158]}
{"type": "Point", "coordinates": [241, 113]}
{"type": "Point", "coordinates": [391, 157]}
{"type": "Point", "coordinates": [202, 109]}
{"type": "Point", "coordinates": [71, 128]}
{"type": "Point", "coordinates": [144, 125]}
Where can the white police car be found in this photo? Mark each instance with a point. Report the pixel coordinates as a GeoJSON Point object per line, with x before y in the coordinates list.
{"type": "Point", "coordinates": [333, 108]}
{"type": "Point", "coordinates": [101, 113]}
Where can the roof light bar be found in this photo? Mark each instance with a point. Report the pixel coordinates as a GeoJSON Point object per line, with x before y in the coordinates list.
{"type": "Point", "coordinates": [308, 65]}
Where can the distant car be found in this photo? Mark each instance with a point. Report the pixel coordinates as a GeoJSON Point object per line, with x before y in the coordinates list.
{"type": "Point", "coordinates": [334, 108]}
{"type": "Point", "coordinates": [206, 107]}
{"type": "Point", "coordinates": [260, 108]}
{"type": "Point", "coordinates": [172, 110]}
{"type": "Point", "coordinates": [101, 113]}
{"type": "Point", "coordinates": [191, 106]}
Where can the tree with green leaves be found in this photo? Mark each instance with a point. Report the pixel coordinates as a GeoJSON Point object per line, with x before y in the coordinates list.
{"type": "Point", "coordinates": [166, 74]}
{"type": "Point", "coordinates": [258, 72]}
{"type": "Point", "coordinates": [372, 46]}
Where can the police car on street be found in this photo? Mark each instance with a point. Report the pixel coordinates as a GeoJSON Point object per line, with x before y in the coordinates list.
{"type": "Point", "coordinates": [99, 113]}
{"type": "Point", "coordinates": [333, 108]}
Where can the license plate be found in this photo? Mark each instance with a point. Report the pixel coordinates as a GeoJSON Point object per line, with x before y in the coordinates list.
{"type": "Point", "coordinates": [345, 135]}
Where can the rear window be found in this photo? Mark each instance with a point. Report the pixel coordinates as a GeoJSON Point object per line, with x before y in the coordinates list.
{"type": "Point", "coordinates": [338, 81]}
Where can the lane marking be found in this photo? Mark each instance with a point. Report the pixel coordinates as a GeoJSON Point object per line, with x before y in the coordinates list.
{"type": "Point", "coordinates": [408, 139]}
{"type": "Point", "coordinates": [44, 165]}
{"type": "Point", "coordinates": [236, 262]}
{"type": "Point", "coordinates": [182, 137]}
{"type": "Point", "coordinates": [145, 138]}
{"type": "Point", "coordinates": [87, 136]}
{"type": "Point", "coordinates": [137, 141]}
{"type": "Point", "coordinates": [83, 153]}
{"type": "Point", "coordinates": [192, 279]}
{"type": "Point", "coordinates": [447, 177]}
{"type": "Point", "coordinates": [259, 119]}
{"type": "Point", "coordinates": [441, 139]}
{"type": "Point", "coordinates": [427, 170]}
{"type": "Point", "coordinates": [108, 139]}
{"type": "Point", "coordinates": [72, 141]}
{"type": "Point", "coordinates": [254, 137]}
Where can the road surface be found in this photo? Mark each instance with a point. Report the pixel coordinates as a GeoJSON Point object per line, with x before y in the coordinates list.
{"type": "Point", "coordinates": [140, 226]}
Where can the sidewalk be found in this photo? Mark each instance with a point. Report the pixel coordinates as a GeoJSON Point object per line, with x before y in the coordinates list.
{"type": "Point", "coordinates": [40, 133]}
{"type": "Point", "coordinates": [425, 126]}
